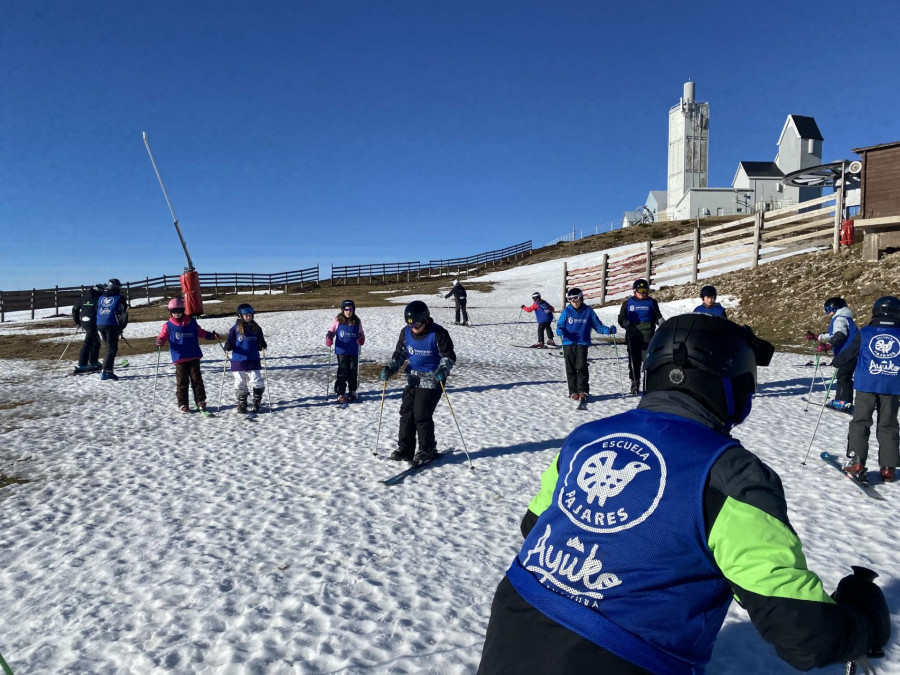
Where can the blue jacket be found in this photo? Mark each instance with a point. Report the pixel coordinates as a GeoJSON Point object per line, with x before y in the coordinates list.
{"type": "Point", "coordinates": [574, 326]}
{"type": "Point", "coordinates": [715, 310]}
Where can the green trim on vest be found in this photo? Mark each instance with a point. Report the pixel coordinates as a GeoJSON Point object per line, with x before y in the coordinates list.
{"type": "Point", "coordinates": [544, 498]}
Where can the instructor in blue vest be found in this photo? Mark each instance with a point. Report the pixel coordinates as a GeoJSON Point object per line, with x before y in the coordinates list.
{"type": "Point", "coordinates": [429, 349]}
{"type": "Point", "coordinates": [639, 316]}
{"type": "Point", "coordinates": [877, 384]}
{"type": "Point", "coordinates": [649, 522]}
{"type": "Point", "coordinates": [112, 317]}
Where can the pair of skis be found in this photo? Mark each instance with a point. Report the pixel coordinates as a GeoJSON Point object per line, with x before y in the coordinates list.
{"type": "Point", "coordinates": [864, 487]}
{"type": "Point", "coordinates": [400, 477]}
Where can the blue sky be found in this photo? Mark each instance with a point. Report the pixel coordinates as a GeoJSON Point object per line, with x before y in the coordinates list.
{"type": "Point", "coordinates": [304, 132]}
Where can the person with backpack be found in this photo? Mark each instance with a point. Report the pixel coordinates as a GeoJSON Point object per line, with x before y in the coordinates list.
{"type": "Point", "coordinates": [245, 340]}
{"type": "Point", "coordinates": [649, 522]}
{"type": "Point", "coordinates": [183, 333]}
{"type": "Point", "coordinates": [543, 312]}
{"type": "Point", "coordinates": [459, 300]}
{"type": "Point", "coordinates": [84, 314]}
{"type": "Point", "coordinates": [347, 336]}
{"type": "Point", "coordinates": [639, 316]}
{"type": "Point", "coordinates": [840, 333]}
{"type": "Point", "coordinates": [112, 317]}
{"type": "Point", "coordinates": [574, 327]}
{"type": "Point", "coordinates": [429, 348]}
{"type": "Point", "coordinates": [708, 304]}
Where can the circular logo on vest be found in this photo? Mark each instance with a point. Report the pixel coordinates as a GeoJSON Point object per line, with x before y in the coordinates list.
{"type": "Point", "coordinates": [884, 346]}
{"type": "Point", "coordinates": [240, 338]}
{"type": "Point", "coordinates": [341, 333]}
{"type": "Point", "coordinates": [178, 336]}
{"type": "Point", "coordinates": [613, 483]}
{"type": "Point", "coordinates": [570, 320]}
{"type": "Point", "coordinates": [410, 350]}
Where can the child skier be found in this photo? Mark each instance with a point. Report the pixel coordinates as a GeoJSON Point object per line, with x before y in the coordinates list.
{"type": "Point", "coordinates": [347, 333]}
{"type": "Point", "coordinates": [245, 339]}
{"type": "Point", "coordinates": [543, 312]}
{"type": "Point", "coordinates": [840, 333]}
{"type": "Point", "coordinates": [574, 327]}
{"type": "Point", "coordinates": [639, 316]}
{"type": "Point", "coordinates": [112, 317]}
{"type": "Point", "coordinates": [431, 357]}
{"type": "Point", "coordinates": [709, 305]}
{"type": "Point", "coordinates": [182, 332]}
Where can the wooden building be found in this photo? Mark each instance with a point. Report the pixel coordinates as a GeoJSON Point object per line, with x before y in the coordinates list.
{"type": "Point", "coordinates": [880, 180]}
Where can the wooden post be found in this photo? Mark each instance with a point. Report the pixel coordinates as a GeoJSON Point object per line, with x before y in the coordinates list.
{"type": "Point", "coordinates": [128, 292]}
{"type": "Point", "coordinates": [604, 277]}
{"type": "Point", "coordinates": [56, 299]}
{"type": "Point", "coordinates": [2, 311]}
{"type": "Point", "coordinates": [147, 288]}
{"type": "Point", "coordinates": [235, 284]}
{"type": "Point", "coordinates": [648, 269]}
{"type": "Point", "coordinates": [758, 221]}
{"type": "Point", "coordinates": [165, 288]}
{"type": "Point", "coordinates": [216, 284]}
{"type": "Point", "coordinates": [695, 267]}
{"type": "Point", "coordinates": [838, 213]}
{"type": "Point", "coordinates": [33, 291]}
{"type": "Point", "coordinates": [565, 282]}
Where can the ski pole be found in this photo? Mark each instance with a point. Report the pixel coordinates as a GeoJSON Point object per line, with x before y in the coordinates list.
{"type": "Point", "coordinates": [66, 348]}
{"type": "Point", "coordinates": [330, 353]}
{"type": "Point", "coordinates": [812, 383]}
{"type": "Point", "coordinates": [618, 365]}
{"type": "Point", "coordinates": [358, 361]}
{"type": "Point", "coordinates": [465, 449]}
{"type": "Point", "coordinates": [155, 377]}
{"type": "Point", "coordinates": [380, 414]}
{"type": "Point", "coordinates": [518, 318]}
{"type": "Point", "coordinates": [266, 380]}
{"type": "Point", "coordinates": [4, 666]}
{"type": "Point", "coordinates": [819, 419]}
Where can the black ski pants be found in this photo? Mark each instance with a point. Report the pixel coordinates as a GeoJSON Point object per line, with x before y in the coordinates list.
{"type": "Point", "coordinates": [111, 340]}
{"type": "Point", "coordinates": [347, 369]}
{"type": "Point", "coordinates": [416, 417]}
{"type": "Point", "coordinates": [461, 309]}
{"type": "Point", "coordinates": [544, 326]}
{"type": "Point", "coordinates": [843, 388]}
{"type": "Point", "coordinates": [887, 432]}
{"type": "Point", "coordinates": [577, 374]}
{"type": "Point", "coordinates": [189, 372]}
{"type": "Point", "coordinates": [636, 342]}
{"type": "Point", "coordinates": [90, 348]}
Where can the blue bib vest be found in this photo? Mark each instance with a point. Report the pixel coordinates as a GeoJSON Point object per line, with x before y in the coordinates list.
{"type": "Point", "coordinates": [246, 347]}
{"type": "Point", "coordinates": [423, 353]}
{"type": "Point", "coordinates": [620, 555]}
{"type": "Point", "coordinates": [576, 325]}
{"type": "Point", "coordinates": [639, 311]}
{"type": "Point", "coordinates": [543, 313]}
{"type": "Point", "coordinates": [107, 306]}
{"type": "Point", "coordinates": [878, 367]}
{"type": "Point", "coordinates": [184, 341]}
{"type": "Point", "coordinates": [345, 339]}
{"type": "Point", "coordinates": [853, 330]}
{"type": "Point", "coordinates": [715, 310]}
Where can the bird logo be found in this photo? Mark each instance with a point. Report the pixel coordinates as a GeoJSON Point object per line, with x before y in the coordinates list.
{"type": "Point", "coordinates": [885, 346]}
{"type": "Point", "coordinates": [600, 480]}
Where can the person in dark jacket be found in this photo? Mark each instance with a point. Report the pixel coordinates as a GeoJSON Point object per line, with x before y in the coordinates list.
{"type": "Point", "coordinates": [84, 314]}
{"type": "Point", "coordinates": [431, 357]}
{"type": "Point", "coordinates": [543, 312]}
{"type": "Point", "coordinates": [649, 522]}
{"type": "Point", "coordinates": [840, 333]}
{"type": "Point", "coordinates": [876, 352]}
{"type": "Point", "coordinates": [245, 340]}
{"type": "Point", "coordinates": [112, 317]}
{"type": "Point", "coordinates": [459, 299]}
{"type": "Point", "coordinates": [639, 316]}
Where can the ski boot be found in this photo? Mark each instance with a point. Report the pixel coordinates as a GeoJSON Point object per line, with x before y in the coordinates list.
{"type": "Point", "coordinates": [424, 456]}
{"type": "Point", "coordinates": [257, 400]}
{"type": "Point", "coordinates": [242, 402]}
{"type": "Point", "coordinates": [352, 396]}
{"type": "Point", "coordinates": [887, 474]}
{"type": "Point", "coordinates": [635, 388]}
{"type": "Point", "coordinates": [108, 375]}
{"type": "Point", "coordinates": [400, 456]}
{"type": "Point", "coordinates": [185, 408]}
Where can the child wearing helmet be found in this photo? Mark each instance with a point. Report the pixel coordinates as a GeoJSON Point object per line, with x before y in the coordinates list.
{"type": "Point", "coordinates": [543, 312]}
{"type": "Point", "coordinates": [708, 303]}
{"type": "Point", "coordinates": [840, 333]}
{"type": "Point", "coordinates": [574, 327]}
{"type": "Point", "coordinates": [429, 349]}
{"type": "Point", "coordinates": [245, 340]}
{"type": "Point", "coordinates": [459, 300]}
{"type": "Point", "coordinates": [660, 518]}
{"type": "Point", "coordinates": [84, 314]}
{"type": "Point", "coordinates": [639, 316]}
{"type": "Point", "coordinates": [347, 336]}
{"type": "Point", "coordinates": [183, 333]}
{"type": "Point", "coordinates": [112, 317]}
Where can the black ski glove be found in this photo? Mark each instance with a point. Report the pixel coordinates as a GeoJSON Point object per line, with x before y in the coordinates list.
{"type": "Point", "coordinates": [859, 591]}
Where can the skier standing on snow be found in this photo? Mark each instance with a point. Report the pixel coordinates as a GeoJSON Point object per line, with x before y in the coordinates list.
{"type": "Point", "coordinates": [431, 357]}
{"type": "Point", "coordinates": [841, 332]}
{"type": "Point", "coordinates": [877, 347]}
{"type": "Point", "coordinates": [84, 314]}
{"type": "Point", "coordinates": [346, 334]}
{"type": "Point", "coordinates": [660, 517]}
{"type": "Point", "coordinates": [543, 312]}
{"type": "Point", "coordinates": [183, 333]}
{"type": "Point", "coordinates": [245, 340]}
{"type": "Point", "coordinates": [708, 304]}
{"type": "Point", "coordinates": [112, 317]}
{"type": "Point", "coordinates": [459, 299]}
{"type": "Point", "coordinates": [639, 316]}
{"type": "Point", "coordinates": [574, 327]}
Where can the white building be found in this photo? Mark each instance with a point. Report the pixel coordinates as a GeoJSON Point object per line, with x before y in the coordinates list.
{"type": "Point", "coordinates": [688, 145]}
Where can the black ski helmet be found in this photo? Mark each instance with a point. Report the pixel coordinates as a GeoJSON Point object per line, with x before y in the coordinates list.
{"type": "Point", "coordinates": [113, 285]}
{"type": "Point", "coordinates": [348, 303]}
{"type": "Point", "coordinates": [416, 312]}
{"type": "Point", "coordinates": [711, 359]}
{"type": "Point", "coordinates": [886, 306]}
{"type": "Point", "coordinates": [834, 304]}
{"type": "Point", "coordinates": [244, 308]}
{"type": "Point", "coordinates": [708, 292]}
{"type": "Point", "coordinates": [574, 293]}
{"type": "Point", "coordinates": [535, 296]}
{"type": "Point", "coordinates": [640, 285]}
{"type": "Point", "coordinates": [99, 288]}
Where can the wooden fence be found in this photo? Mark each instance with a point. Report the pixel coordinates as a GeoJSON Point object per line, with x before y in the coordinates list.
{"type": "Point", "coordinates": [738, 244]}
{"type": "Point", "coordinates": [166, 286]}
{"type": "Point", "coordinates": [405, 271]}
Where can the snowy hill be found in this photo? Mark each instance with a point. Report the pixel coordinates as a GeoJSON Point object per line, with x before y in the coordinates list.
{"type": "Point", "coordinates": [147, 540]}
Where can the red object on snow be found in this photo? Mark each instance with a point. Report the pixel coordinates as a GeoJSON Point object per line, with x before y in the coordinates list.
{"type": "Point", "coordinates": [190, 287]}
{"type": "Point", "coordinates": [847, 232]}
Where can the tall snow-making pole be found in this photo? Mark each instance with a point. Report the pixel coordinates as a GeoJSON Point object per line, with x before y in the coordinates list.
{"type": "Point", "coordinates": [190, 267]}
